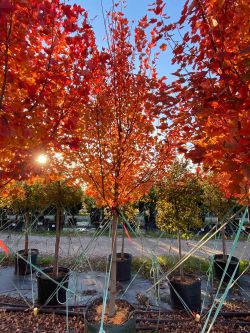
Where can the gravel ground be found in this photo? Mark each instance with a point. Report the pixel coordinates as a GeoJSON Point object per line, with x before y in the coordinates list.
{"type": "Point", "coordinates": [74, 245]}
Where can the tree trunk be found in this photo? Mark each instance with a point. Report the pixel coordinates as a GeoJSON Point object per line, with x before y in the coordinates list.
{"type": "Point", "coordinates": [112, 286]}
{"type": "Point", "coordinates": [180, 255]}
{"type": "Point", "coordinates": [223, 239]}
{"type": "Point", "coordinates": [26, 235]}
{"type": "Point", "coordinates": [123, 239]}
{"type": "Point", "coordinates": [57, 243]}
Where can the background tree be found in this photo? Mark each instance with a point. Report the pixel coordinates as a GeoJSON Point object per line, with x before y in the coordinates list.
{"type": "Point", "coordinates": [216, 202]}
{"type": "Point", "coordinates": [23, 198]}
{"type": "Point", "coordinates": [61, 196]}
{"type": "Point", "coordinates": [149, 202]}
{"type": "Point", "coordinates": [179, 203]}
{"type": "Point", "coordinates": [89, 203]}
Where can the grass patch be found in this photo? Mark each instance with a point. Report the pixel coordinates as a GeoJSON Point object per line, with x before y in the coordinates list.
{"type": "Point", "coordinates": [191, 266]}
{"type": "Point", "coordinates": [158, 233]}
{"type": "Point", "coordinates": [46, 260]}
{"type": "Point", "coordinates": [6, 260]}
{"type": "Point", "coordinates": [245, 265]}
{"type": "Point", "coordinates": [194, 265]}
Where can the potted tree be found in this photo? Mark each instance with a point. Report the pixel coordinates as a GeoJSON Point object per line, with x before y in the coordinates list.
{"type": "Point", "coordinates": [217, 203]}
{"type": "Point", "coordinates": [24, 199]}
{"type": "Point", "coordinates": [178, 209]}
{"type": "Point", "coordinates": [119, 153]}
{"type": "Point", "coordinates": [62, 196]}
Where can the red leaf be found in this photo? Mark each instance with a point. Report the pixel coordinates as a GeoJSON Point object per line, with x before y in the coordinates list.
{"type": "Point", "coordinates": [163, 47]}
{"type": "Point", "coordinates": [6, 7]}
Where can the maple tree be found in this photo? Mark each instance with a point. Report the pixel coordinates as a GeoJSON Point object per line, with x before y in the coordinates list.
{"type": "Point", "coordinates": [44, 54]}
{"type": "Point", "coordinates": [119, 151]}
{"type": "Point", "coordinates": [212, 86]}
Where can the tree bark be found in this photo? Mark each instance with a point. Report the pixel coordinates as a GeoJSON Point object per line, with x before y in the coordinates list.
{"type": "Point", "coordinates": [112, 286]}
{"type": "Point", "coordinates": [26, 235]}
{"type": "Point", "coordinates": [57, 243]}
{"type": "Point", "coordinates": [223, 239]}
{"type": "Point", "coordinates": [123, 239]}
{"type": "Point", "coordinates": [180, 255]}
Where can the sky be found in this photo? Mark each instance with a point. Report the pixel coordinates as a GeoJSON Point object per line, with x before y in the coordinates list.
{"type": "Point", "coordinates": [135, 10]}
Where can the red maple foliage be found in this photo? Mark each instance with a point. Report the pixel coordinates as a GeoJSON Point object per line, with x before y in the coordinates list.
{"type": "Point", "coordinates": [43, 59]}
{"type": "Point", "coordinates": [212, 87]}
{"type": "Point", "coordinates": [117, 147]}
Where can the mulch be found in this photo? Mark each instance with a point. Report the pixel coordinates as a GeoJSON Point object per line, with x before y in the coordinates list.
{"type": "Point", "coordinates": [27, 322]}
{"type": "Point", "coordinates": [19, 322]}
{"type": "Point", "coordinates": [170, 322]}
{"type": "Point", "coordinates": [178, 322]}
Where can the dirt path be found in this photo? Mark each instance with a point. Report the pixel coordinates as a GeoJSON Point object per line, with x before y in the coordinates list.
{"type": "Point", "coordinates": [74, 245]}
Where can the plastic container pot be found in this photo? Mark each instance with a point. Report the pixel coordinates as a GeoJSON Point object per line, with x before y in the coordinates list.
{"type": "Point", "coordinates": [220, 265]}
{"type": "Point", "coordinates": [46, 287]}
{"type": "Point", "coordinates": [123, 267]}
{"type": "Point", "coordinates": [189, 290]}
{"type": "Point", "coordinates": [21, 266]}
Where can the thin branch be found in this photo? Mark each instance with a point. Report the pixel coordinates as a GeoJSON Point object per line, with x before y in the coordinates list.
{"type": "Point", "coordinates": [6, 60]}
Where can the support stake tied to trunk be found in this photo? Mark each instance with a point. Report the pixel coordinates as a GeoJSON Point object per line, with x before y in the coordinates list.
{"type": "Point", "coordinates": [26, 239]}
{"type": "Point", "coordinates": [57, 243]}
{"type": "Point", "coordinates": [112, 286]}
{"type": "Point", "coordinates": [180, 255]}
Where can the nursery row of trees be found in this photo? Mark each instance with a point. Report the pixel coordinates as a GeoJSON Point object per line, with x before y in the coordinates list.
{"type": "Point", "coordinates": [180, 201]}
{"type": "Point", "coordinates": [182, 194]}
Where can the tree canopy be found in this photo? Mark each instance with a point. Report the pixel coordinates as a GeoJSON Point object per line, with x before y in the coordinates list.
{"type": "Point", "coordinates": [212, 106]}
{"type": "Point", "coordinates": [44, 54]}
{"type": "Point", "coordinates": [118, 149]}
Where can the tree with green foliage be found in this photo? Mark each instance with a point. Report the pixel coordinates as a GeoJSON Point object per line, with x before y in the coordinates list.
{"type": "Point", "coordinates": [178, 207]}
{"type": "Point", "coordinates": [61, 196]}
{"type": "Point", "coordinates": [148, 203]}
{"type": "Point", "coordinates": [24, 198]}
{"type": "Point", "coordinates": [89, 203]}
{"type": "Point", "coordinates": [215, 201]}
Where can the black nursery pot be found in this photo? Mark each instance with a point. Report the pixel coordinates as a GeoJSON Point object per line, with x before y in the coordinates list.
{"type": "Point", "coordinates": [47, 287]}
{"type": "Point", "coordinates": [123, 267]}
{"type": "Point", "coordinates": [189, 290]}
{"type": "Point", "coordinates": [220, 265]}
{"type": "Point", "coordinates": [21, 266]}
{"type": "Point", "coordinates": [92, 327]}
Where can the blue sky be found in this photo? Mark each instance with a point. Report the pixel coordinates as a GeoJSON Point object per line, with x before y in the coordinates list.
{"type": "Point", "coordinates": [135, 10]}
